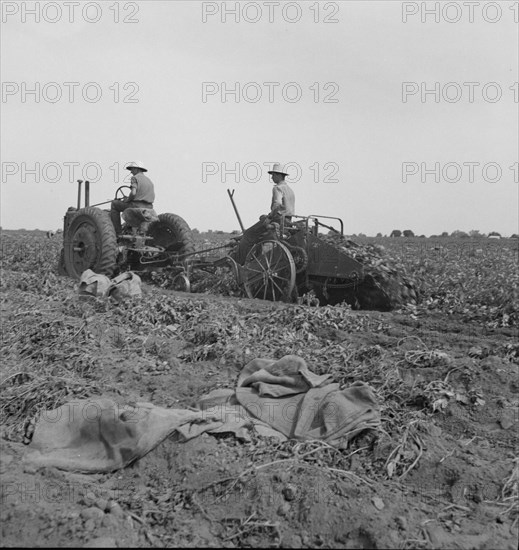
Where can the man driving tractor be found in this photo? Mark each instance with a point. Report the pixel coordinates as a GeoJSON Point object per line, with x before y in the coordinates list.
{"type": "Point", "coordinates": [283, 204]}
{"type": "Point", "coordinates": [142, 195]}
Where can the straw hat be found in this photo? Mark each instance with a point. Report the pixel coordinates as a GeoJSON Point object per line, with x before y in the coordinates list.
{"type": "Point", "coordinates": [278, 169]}
{"type": "Point", "coordinates": [137, 164]}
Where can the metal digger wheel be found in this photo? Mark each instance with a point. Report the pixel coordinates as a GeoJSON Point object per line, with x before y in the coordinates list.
{"type": "Point", "coordinates": [90, 243]}
{"type": "Point", "coordinates": [181, 283]}
{"type": "Point", "coordinates": [269, 272]}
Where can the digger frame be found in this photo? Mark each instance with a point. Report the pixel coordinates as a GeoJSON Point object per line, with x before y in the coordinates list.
{"type": "Point", "coordinates": [293, 261]}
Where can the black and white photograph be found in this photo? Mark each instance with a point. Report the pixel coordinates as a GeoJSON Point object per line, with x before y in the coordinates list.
{"type": "Point", "coordinates": [259, 274]}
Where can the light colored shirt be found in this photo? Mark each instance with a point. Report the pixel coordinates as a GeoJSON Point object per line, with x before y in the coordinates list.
{"type": "Point", "coordinates": [142, 188]}
{"type": "Point", "coordinates": [283, 200]}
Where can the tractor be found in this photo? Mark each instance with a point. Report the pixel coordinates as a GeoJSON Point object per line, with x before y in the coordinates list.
{"type": "Point", "coordinates": [90, 241]}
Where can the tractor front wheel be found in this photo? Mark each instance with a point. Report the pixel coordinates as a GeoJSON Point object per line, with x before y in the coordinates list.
{"type": "Point", "coordinates": [90, 243]}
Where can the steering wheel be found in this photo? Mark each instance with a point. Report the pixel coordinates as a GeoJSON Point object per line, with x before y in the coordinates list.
{"type": "Point", "coordinates": [122, 191]}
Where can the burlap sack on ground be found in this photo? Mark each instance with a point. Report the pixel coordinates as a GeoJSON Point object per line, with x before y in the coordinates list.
{"type": "Point", "coordinates": [125, 285]}
{"type": "Point", "coordinates": [100, 435]}
{"type": "Point", "coordinates": [94, 284]}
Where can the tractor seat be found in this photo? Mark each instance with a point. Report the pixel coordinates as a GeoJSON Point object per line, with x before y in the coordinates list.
{"type": "Point", "coordinates": [293, 227]}
{"type": "Point", "coordinates": [139, 219]}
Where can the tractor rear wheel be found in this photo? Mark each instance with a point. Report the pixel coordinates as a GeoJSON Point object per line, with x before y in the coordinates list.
{"type": "Point", "coordinates": [90, 243]}
{"type": "Point", "coordinates": [173, 234]}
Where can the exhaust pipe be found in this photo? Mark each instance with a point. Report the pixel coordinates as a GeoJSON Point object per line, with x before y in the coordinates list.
{"type": "Point", "coordinates": [79, 182]}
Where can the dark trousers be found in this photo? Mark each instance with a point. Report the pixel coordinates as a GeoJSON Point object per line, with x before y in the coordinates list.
{"type": "Point", "coordinates": [120, 206]}
{"type": "Point", "coordinates": [256, 233]}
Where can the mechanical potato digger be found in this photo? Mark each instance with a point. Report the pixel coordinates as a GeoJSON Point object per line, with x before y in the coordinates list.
{"type": "Point", "coordinates": [290, 259]}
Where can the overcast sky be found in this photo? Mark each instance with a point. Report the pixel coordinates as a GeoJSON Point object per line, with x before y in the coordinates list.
{"type": "Point", "coordinates": [390, 114]}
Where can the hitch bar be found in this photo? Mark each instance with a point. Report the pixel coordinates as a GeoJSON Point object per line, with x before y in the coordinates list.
{"type": "Point", "coordinates": [231, 195]}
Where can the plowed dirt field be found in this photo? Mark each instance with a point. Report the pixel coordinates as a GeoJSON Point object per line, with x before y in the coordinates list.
{"type": "Point", "coordinates": [442, 471]}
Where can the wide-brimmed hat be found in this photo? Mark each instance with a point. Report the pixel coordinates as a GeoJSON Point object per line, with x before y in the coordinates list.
{"type": "Point", "coordinates": [137, 164]}
{"type": "Point", "coordinates": [278, 169]}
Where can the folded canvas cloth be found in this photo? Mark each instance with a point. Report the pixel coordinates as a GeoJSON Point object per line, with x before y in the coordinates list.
{"type": "Point", "coordinates": [301, 405]}
{"type": "Point", "coordinates": [286, 376]}
{"type": "Point", "coordinates": [336, 415]}
{"type": "Point", "coordinates": [222, 406]}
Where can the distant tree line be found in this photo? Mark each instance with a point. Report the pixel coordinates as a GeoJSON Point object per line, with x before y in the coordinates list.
{"type": "Point", "coordinates": [474, 233]}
